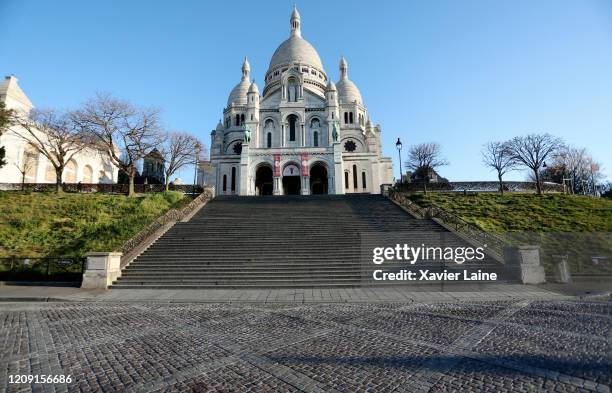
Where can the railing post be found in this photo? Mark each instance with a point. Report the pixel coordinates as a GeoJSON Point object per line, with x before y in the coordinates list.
{"type": "Point", "coordinates": [523, 263]}
{"type": "Point", "coordinates": [102, 269]}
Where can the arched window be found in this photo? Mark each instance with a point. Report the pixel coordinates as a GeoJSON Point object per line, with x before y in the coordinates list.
{"type": "Point", "coordinates": [351, 117]}
{"type": "Point", "coordinates": [242, 119]}
{"type": "Point", "coordinates": [315, 123]}
{"type": "Point", "coordinates": [315, 139]}
{"type": "Point", "coordinates": [292, 120]}
{"type": "Point", "coordinates": [251, 116]}
{"type": "Point", "coordinates": [224, 183]}
{"type": "Point", "coordinates": [29, 163]}
{"type": "Point", "coordinates": [346, 180]}
{"type": "Point", "coordinates": [345, 117]}
{"type": "Point", "coordinates": [70, 172]}
{"type": "Point", "coordinates": [363, 180]}
{"type": "Point", "coordinates": [237, 120]}
{"type": "Point", "coordinates": [269, 129]}
{"type": "Point", "coordinates": [355, 185]}
{"type": "Point", "coordinates": [233, 179]}
{"type": "Point", "coordinates": [87, 174]}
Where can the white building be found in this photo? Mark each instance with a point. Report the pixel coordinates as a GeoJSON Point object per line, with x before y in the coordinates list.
{"type": "Point", "coordinates": [307, 135]}
{"type": "Point", "coordinates": [90, 165]}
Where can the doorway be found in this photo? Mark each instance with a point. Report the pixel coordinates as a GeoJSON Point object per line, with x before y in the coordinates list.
{"type": "Point", "coordinates": [291, 185]}
{"type": "Point", "coordinates": [263, 181]}
{"type": "Point", "coordinates": [318, 179]}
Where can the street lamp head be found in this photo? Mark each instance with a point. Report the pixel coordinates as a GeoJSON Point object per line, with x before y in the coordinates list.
{"type": "Point", "coordinates": [198, 147]}
{"type": "Point", "coordinates": [398, 144]}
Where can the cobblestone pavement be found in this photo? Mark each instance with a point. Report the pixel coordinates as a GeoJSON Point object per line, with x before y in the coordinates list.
{"type": "Point", "coordinates": [478, 346]}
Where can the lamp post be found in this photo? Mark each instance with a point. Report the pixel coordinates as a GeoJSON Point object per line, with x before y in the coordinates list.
{"type": "Point", "coordinates": [398, 145]}
{"type": "Point", "coordinates": [198, 149]}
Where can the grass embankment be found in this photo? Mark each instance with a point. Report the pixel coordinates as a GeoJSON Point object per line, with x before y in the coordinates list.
{"type": "Point", "coordinates": [576, 225]}
{"type": "Point", "coordinates": [66, 224]}
{"type": "Point", "coordinates": [525, 212]}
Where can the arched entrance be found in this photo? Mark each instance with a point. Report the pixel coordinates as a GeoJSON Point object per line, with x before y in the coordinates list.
{"type": "Point", "coordinates": [291, 180]}
{"type": "Point", "coordinates": [263, 180]}
{"type": "Point", "coordinates": [318, 179]}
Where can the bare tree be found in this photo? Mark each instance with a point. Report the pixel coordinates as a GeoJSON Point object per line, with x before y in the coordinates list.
{"type": "Point", "coordinates": [498, 156]}
{"type": "Point", "coordinates": [425, 156]}
{"type": "Point", "coordinates": [26, 165]}
{"type": "Point", "coordinates": [127, 133]}
{"type": "Point", "coordinates": [52, 134]}
{"type": "Point", "coordinates": [593, 169]}
{"type": "Point", "coordinates": [532, 150]}
{"type": "Point", "coordinates": [180, 149]}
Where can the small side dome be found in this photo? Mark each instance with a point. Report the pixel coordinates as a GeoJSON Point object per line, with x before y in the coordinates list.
{"type": "Point", "coordinates": [238, 94]}
{"type": "Point", "coordinates": [219, 126]}
{"type": "Point", "coordinates": [331, 86]}
{"type": "Point", "coordinates": [253, 88]}
{"type": "Point", "coordinates": [347, 90]}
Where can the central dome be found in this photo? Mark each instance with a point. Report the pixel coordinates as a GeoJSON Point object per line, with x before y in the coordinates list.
{"type": "Point", "coordinates": [295, 49]}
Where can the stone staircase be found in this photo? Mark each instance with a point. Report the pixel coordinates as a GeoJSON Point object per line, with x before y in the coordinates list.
{"type": "Point", "coordinates": [285, 242]}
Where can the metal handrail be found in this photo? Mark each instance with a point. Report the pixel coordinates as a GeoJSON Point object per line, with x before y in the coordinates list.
{"type": "Point", "coordinates": [171, 216]}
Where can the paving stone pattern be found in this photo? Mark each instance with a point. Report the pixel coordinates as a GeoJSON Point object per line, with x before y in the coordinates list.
{"type": "Point", "coordinates": [473, 346]}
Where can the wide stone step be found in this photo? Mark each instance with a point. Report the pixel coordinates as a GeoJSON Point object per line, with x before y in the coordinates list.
{"type": "Point", "coordinates": [283, 242]}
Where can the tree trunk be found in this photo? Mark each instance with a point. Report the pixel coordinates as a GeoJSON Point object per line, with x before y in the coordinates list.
{"type": "Point", "coordinates": [167, 185]}
{"type": "Point", "coordinates": [538, 187]}
{"type": "Point", "coordinates": [131, 192]}
{"type": "Point", "coordinates": [22, 181]}
{"type": "Point", "coordinates": [58, 180]}
{"type": "Point", "coordinates": [501, 184]}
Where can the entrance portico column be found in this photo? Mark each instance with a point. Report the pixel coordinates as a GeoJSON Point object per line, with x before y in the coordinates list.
{"type": "Point", "coordinates": [276, 173]}
{"type": "Point", "coordinates": [330, 184]}
{"type": "Point", "coordinates": [305, 185]}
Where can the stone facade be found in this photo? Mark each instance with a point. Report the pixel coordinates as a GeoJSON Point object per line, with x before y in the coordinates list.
{"type": "Point", "coordinates": [304, 135]}
{"type": "Point", "coordinates": [90, 165]}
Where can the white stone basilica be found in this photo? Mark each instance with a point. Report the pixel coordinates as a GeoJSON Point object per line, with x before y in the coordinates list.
{"type": "Point", "coordinates": [304, 135]}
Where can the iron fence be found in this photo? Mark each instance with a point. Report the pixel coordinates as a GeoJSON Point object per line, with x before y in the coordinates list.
{"type": "Point", "coordinates": [68, 269]}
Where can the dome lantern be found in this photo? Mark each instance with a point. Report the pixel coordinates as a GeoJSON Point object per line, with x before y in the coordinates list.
{"type": "Point", "coordinates": [246, 69]}
{"type": "Point", "coordinates": [295, 23]}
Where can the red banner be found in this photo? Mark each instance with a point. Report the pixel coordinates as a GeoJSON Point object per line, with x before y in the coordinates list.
{"type": "Point", "coordinates": [277, 168]}
{"type": "Point", "coordinates": [304, 164]}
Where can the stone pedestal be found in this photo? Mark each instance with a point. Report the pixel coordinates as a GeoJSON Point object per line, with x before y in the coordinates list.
{"type": "Point", "coordinates": [523, 263]}
{"type": "Point", "coordinates": [102, 269]}
{"type": "Point", "coordinates": [243, 177]}
{"type": "Point", "coordinates": [562, 270]}
{"type": "Point", "coordinates": [338, 169]}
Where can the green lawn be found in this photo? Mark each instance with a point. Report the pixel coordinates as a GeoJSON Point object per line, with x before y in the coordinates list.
{"type": "Point", "coordinates": [525, 212]}
{"type": "Point", "coordinates": [67, 224]}
{"type": "Point", "coordinates": [573, 225]}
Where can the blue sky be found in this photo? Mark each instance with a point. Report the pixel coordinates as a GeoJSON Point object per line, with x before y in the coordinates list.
{"type": "Point", "coordinates": [459, 73]}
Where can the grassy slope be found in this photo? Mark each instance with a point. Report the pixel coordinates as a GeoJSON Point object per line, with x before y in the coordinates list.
{"type": "Point", "coordinates": [578, 226]}
{"type": "Point", "coordinates": [48, 224]}
{"type": "Point", "coordinates": [526, 212]}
